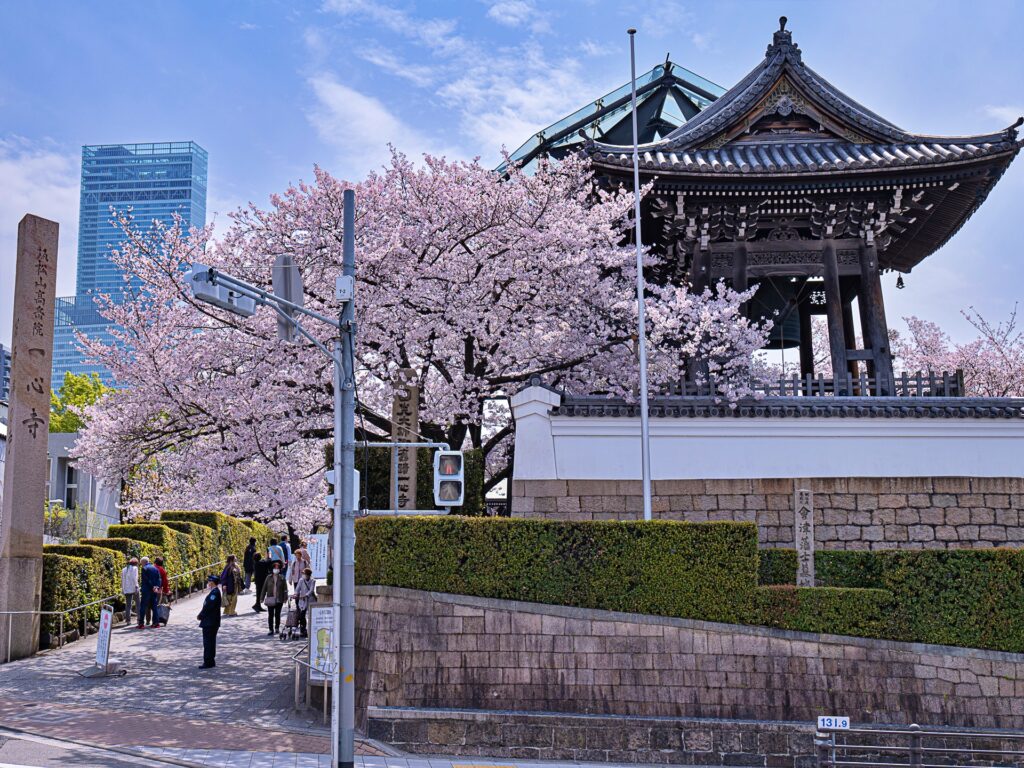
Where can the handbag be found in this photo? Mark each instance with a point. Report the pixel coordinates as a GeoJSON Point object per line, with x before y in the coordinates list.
{"type": "Point", "coordinates": [270, 598]}
{"type": "Point", "coordinates": [162, 613]}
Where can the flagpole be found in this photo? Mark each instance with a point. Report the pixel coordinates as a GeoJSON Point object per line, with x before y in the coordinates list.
{"type": "Point", "coordinates": [645, 435]}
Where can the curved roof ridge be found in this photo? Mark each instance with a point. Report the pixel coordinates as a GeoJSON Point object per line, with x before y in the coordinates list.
{"type": "Point", "coordinates": [783, 57]}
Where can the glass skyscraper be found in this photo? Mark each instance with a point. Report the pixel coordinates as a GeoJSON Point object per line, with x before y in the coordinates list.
{"type": "Point", "coordinates": [154, 180]}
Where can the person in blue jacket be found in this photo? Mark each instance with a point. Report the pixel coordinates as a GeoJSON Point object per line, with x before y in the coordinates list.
{"type": "Point", "coordinates": [150, 588]}
{"type": "Point", "coordinates": [209, 621]}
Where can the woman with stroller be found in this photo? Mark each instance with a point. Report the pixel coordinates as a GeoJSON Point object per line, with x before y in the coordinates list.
{"type": "Point", "coordinates": [305, 593]}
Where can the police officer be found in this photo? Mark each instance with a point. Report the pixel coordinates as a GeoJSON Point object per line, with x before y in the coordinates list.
{"type": "Point", "coordinates": [209, 621]}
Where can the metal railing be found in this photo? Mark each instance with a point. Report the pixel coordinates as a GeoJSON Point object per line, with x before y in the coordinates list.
{"type": "Point", "coordinates": [66, 612]}
{"type": "Point", "coordinates": [302, 699]}
{"type": "Point", "coordinates": [918, 384]}
{"type": "Point", "coordinates": [916, 747]}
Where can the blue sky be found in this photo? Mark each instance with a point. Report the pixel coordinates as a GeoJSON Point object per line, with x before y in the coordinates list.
{"type": "Point", "coordinates": [272, 88]}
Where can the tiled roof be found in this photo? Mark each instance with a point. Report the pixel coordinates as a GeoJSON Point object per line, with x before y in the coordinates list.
{"type": "Point", "coordinates": [802, 156]}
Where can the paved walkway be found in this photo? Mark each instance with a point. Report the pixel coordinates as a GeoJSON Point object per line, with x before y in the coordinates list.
{"type": "Point", "coordinates": [164, 700]}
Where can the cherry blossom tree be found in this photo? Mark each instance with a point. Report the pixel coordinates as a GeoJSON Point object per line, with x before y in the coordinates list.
{"type": "Point", "coordinates": [477, 283]}
{"type": "Point", "coordinates": [993, 363]}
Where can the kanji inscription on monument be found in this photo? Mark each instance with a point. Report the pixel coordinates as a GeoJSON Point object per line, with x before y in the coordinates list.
{"type": "Point", "coordinates": [405, 427]}
{"type": "Point", "coordinates": [803, 526]}
{"type": "Point", "coordinates": [21, 521]}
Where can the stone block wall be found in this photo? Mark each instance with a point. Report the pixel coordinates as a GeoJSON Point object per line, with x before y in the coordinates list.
{"type": "Point", "coordinates": [586, 738]}
{"type": "Point", "coordinates": [429, 650]}
{"type": "Point", "coordinates": [849, 513]}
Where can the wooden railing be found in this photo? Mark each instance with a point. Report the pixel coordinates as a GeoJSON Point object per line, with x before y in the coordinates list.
{"type": "Point", "coordinates": [920, 384]}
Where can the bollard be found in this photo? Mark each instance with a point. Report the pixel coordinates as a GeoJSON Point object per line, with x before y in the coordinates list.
{"type": "Point", "coordinates": [915, 745]}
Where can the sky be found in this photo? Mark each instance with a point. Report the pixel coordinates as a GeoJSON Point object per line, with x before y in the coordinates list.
{"type": "Point", "coordinates": [271, 89]}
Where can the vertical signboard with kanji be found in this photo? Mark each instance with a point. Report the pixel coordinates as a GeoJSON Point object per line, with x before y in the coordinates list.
{"type": "Point", "coordinates": [405, 427]}
{"type": "Point", "coordinates": [21, 523]}
{"type": "Point", "coordinates": [803, 525]}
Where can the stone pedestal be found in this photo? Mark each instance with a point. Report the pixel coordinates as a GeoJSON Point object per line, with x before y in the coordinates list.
{"type": "Point", "coordinates": [21, 523]}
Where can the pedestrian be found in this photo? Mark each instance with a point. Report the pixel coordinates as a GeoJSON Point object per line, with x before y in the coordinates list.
{"type": "Point", "coordinates": [305, 593]}
{"type": "Point", "coordinates": [275, 553]}
{"type": "Point", "coordinates": [248, 564]}
{"type": "Point", "coordinates": [286, 547]}
{"type": "Point", "coordinates": [209, 621]}
{"type": "Point", "coordinates": [151, 587]}
{"type": "Point", "coordinates": [165, 587]}
{"type": "Point", "coordinates": [231, 585]}
{"type": "Point", "coordinates": [300, 562]}
{"type": "Point", "coordinates": [130, 588]}
{"type": "Point", "coordinates": [275, 595]}
{"type": "Point", "coordinates": [261, 568]}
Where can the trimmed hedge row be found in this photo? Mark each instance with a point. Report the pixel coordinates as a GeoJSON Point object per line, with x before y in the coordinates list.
{"type": "Point", "coordinates": [967, 597]}
{"type": "Point", "coordinates": [702, 571]}
{"type": "Point", "coordinates": [831, 610]}
{"type": "Point", "coordinates": [74, 574]}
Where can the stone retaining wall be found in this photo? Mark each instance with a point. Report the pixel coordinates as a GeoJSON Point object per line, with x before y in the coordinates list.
{"type": "Point", "coordinates": [421, 649]}
{"type": "Point", "coordinates": [850, 513]}
{"type": "Point", "coordinates": [589, 738]}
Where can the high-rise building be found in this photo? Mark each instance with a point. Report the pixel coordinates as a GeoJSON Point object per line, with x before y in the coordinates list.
{"type": "Point", "coordinates": [156, 181]}
{"type": "Point", "coordinates": [5, 373]}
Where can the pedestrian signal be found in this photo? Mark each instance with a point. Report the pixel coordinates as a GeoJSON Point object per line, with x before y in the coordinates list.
{"type": "Point", "coordinates": [449, 483]}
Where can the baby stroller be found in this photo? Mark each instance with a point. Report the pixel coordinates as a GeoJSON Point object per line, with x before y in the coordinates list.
{"type": "Point", "coordinates": [290, 630]}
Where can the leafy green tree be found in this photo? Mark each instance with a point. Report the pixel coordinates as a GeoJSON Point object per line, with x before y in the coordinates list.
{"type": "Point", "coordinates": [76, 392]}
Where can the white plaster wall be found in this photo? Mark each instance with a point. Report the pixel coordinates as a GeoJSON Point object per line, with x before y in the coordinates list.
{"type": "Point", "coordinates": [608, 448]}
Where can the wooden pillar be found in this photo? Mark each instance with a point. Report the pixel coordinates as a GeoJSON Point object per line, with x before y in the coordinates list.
{"type": "Point", "coordinates": [850, 335]}
{"type": "Point", "coordinates": [869, 364]}
{"type": "Point", "coordinates": [806, 335]}
{"type": "Point", "coordinates": [834, 313]}
{"type": "Point", "coordinates": [873, 309]}
{"type": "Point", "coordinates": [700, 274]}
{"type": "Point", "coordinates": [739, 270]}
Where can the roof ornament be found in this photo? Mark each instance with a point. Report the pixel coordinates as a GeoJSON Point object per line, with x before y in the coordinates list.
{"type": "Point", "coordinates": [782, 43]}
{"type": "Point", "coordinates": [1011, 132]}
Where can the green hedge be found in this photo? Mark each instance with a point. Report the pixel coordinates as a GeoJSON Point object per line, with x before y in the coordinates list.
{"type": "Point", "coordinates": [65, 585]}
{"type": "Point", "coordinates": [705, 571]}
{"type": "Point", "coordinates": [104, 573]}
{"type": "Point", "coordinates": [832, 610]}
{"type": "Point", "coordinates": [375, 465]}
{"type": "Point", "coordinates": [232, 534]}
{"type": "Point", "coordinates": [966, 597]}
{"type": "Point", "coordinates": [181, 553]}
{"type": "Point", "coordinates": [128, 548]}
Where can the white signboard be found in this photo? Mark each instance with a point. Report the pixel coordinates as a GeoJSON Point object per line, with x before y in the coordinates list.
{"type": "Point", "coordinates": [103, 638]}
{"type": "Point", "coordinates": [834, 722]}
{"type": "Point", "coordinates": [321, 642]}
{"type": "Point", "coordinates": [317, 546]}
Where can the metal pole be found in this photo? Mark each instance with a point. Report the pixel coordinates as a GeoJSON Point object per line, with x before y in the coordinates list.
{"type": "Point", "coordinates": [645, 434]}
{"type": "Point", "coordinates": [345, 423]}
{"type": "Point", "coordinates": [338, 565]}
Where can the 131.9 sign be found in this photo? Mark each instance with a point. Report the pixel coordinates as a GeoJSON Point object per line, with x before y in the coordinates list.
{"type": "Point", "coordinates": [833, 722]}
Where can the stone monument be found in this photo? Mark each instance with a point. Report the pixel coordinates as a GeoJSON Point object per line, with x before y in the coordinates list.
{"type": "Point", "coordinates": [405, 427]}
{"type": "Point", "coordinates": [21, 523]}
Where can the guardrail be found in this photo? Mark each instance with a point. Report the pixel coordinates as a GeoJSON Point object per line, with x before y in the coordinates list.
{"type": "Point", "coordinates": [916, 747]}
{"type": "Point", "coordinates": [60, 637]}
{"type": "Point", "coordinates": [302, 701]}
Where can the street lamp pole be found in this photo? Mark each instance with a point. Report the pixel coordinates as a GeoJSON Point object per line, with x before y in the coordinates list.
{"type": "Point", "coordinates": [645, 434]}
{"type": "Point", "coordinates": [344, 500]}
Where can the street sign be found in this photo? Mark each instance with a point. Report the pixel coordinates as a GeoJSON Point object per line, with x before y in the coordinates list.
{"type": "Point", "coordinates": [103, 637]}
{"type": "Point", "coordinates": [318, 547]}
{"type": "Point", "coordinates": [834, 722]}
{"type": "Point", "coordinates": [288, 285]}
{"type": "Point", "coordinates": [322, 648]}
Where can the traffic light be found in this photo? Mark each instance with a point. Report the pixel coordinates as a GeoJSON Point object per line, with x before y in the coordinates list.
{"type": "Point", "coordinates": [449, 483]}
{"type": "Point", "coordinates": [204, 289]}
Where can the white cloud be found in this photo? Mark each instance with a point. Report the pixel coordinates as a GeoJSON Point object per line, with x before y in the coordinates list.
{"type": "Point", "coordinates": [418, 74]}
{"type": "Point", "coordinates": [593, 48]}
{"type": "Point", "coordinates": [511, 13]}
{"type": "Point", "coordinates": [701, 41]}
{"type": "Point", "coordinates": [437, 34]}
{"type": "Point", "coordinates": [247, 26]}
{"type": "Point", "coordinates": [360, 128]}
{"type": "Point", "coordinates": [42, 178]}
{"type": "Point", "coordinates": [1007, 114]}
